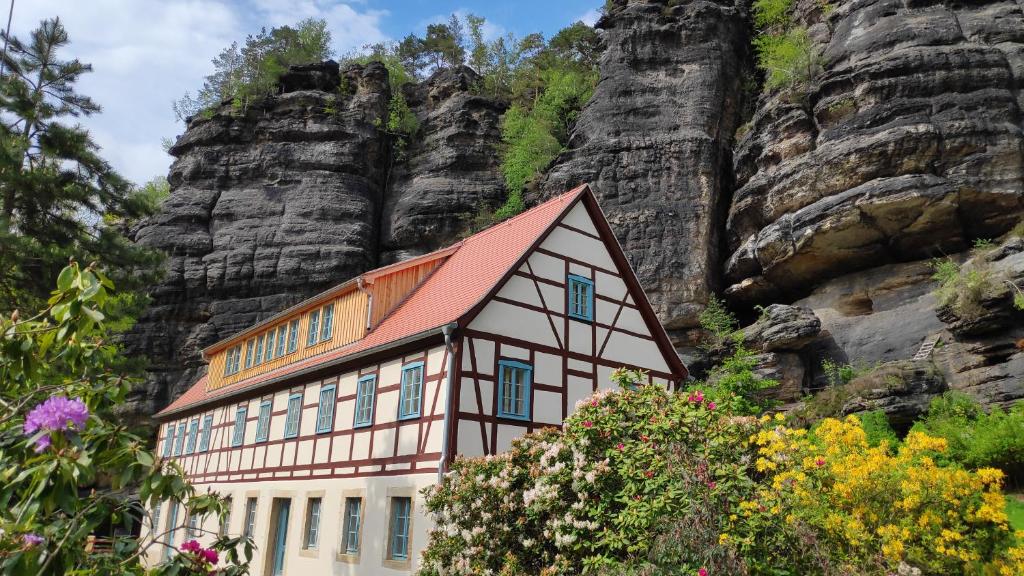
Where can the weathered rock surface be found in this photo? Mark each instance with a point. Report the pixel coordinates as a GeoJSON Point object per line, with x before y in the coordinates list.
{"type": "Point", "coordinates": [901, 389]}
{"type": "Point", "coordinates": [908, 145]}
{"type": "Point", "coordinates": [452, 169]}
{"type": "Point", "coordinates": [783, 327]}
{"type": "Point", "coordinates": [786, 368]}
{"type": "Point", "coordinates": [654, 142]}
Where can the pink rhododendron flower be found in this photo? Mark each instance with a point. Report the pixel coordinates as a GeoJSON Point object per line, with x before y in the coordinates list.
{"type": "Point", "coordinates": [55, 414]}
{"type": "Point", "coordinates": [191, 546]}
{"type": "Point", "coordinates": [711, 405]}
{"type": "Point", "coordinates": [696, 397]}
{"type": "Point", "coordinates": [620, 446]}
{"type": "Point", "coordinates": [210, 555]}
{"type": "Point", "coordinates": [702, 572]}
{"type": "Point", "coordinates": [32, 539]}
{"type": "Point", "coordinates": [712, 484]}
{"type": "Point", "coordinates": [820, 462]}
{"type": "Point", "coordinates": [588, 424]}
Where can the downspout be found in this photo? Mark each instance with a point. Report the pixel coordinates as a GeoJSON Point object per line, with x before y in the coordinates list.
{"type": "Point", "coordinates": [448, 330]}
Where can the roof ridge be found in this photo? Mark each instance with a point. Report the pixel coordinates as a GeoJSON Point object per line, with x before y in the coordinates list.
{"type": "Point", "coordinates": [495, 227]}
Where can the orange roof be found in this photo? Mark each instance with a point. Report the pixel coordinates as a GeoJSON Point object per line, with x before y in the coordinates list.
{"type": "Point", "coordinates": [473, 269]}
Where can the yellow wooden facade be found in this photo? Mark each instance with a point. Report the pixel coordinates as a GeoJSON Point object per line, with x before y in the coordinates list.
{"type": "Point", "coordinates": [359, 306]}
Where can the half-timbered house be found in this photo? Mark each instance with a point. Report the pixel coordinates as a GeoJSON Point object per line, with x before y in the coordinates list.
{"type": "Point", "coordinates": [323, 423]}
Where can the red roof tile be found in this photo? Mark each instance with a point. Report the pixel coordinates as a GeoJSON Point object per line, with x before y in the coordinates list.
{"type": "Point", "coordinates": [471, 271]}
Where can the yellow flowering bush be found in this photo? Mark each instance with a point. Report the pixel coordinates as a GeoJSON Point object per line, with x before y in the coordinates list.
{"type": "Point", "coordinates": [828, 502]}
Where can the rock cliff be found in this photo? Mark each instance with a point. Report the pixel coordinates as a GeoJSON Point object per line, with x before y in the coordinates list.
{"type": "Point", "coordinates": [906, 144]}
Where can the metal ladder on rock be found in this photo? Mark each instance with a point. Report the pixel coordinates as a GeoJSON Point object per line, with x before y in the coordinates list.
{"type": "Point", "coordinates": [926, 348]}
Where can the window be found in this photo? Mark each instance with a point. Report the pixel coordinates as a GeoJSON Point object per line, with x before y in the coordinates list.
{"type": "Point", "coordinates": [192, 526]}
{"type": "Point", "coordinates": [259, 349]}
{"type": "Point", "coordinates": [293, 336]}
{"type": "Point", "coordinates": [325, 413]}
{"type": "Point", "coordinates": [350, 527]}
{"type": "Point", "coordinates": [263, 422]}
{"type": "Point", "coordinates": [326, 322]}
{"type": "Point", "coordinates": [156, 518]}
{"type": "Point", "coordinates": [225, 521]}
{"type": "Point", "coordinates": [168, 440]}
{"type": "Point", "coordinates": [365, 392]}
{"type": "Point", "coordinates": [398, 540]}
{"type": "Point", "coordinates": [282, 337]}
{"type": "Point", "coordinates": [581, 297]}
{"type": "Point", "coordinates": [193, 432]}
{"type": "Point", "coordinates": [412, 391]}
{"type": "Point", "coordinates": [314, 327]}
{"type": "Point", "coordinates": [179, 439]}
{"type": "Point", "coordinates": [239, 435]}
{"type": "Point", "coordinates": [312, 535]}
{"type": "Point", "coordinates": [204, 440]}
{"type": "Point", "coordinates": [268, 350]}
{"type": "Point", "coordinates": [291, 420]}
{"type": "Point", "coordinates": [172, 523]}
{"type": "Point", "coordinates": [250, 518]}
{"type": "Point", "coordinates": [514, 389]}
{"type": "Point", "coordinates": [250, 352]}
{"type": "Point", "coordinates": [232, 360]}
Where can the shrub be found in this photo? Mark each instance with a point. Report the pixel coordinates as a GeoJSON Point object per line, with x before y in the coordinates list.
{"type": "Point", "coordinates": [877, 429]}
{"type": "Point", "coordinates": [719, 325]}
{"type": "Point", "coordinates": [977, 438]}
{"type": "Point", "coordinates": [789, 59]}
{"type": "Point", "coordinates": [839, 374]}
{"type": "Point", "coordinates": [965, 288]}
{"type": "Point", "coordinates": [845, 507]}
{"type": "Point", "coordinates": [735, 386]}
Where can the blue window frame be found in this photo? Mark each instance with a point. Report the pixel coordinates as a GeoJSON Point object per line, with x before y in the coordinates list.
{"type": "Point", "coordinates": [398, 544]}
{"type": "Point", "coordinates": [293, 336]}
{"type": "Point", "coordinates": [263, 422]}
{"type": "Point", "coordinates": [250, 352]}
{"type": "Point", "coordinates": [366, 391]}
{"type": "Point", "coordinates": [514, 381]}
{"type": "Point", "coordinates": [239, 435]}
{"type": "Point", "coordinates": [193, 433]}
{"type": "Point", "coordinates": [172, 523]}
{"type": "Point", "coordinates": [326, 322]}
{"type": "Point", "coordinates": [411, 397]}
{"type": "Point", "coordinates": [282, 338]}
{"type": "Point", "coordinates": [291, 420]}
{"type": "Point", "coordinates": [580, 297]}
{"type": "Point", "coordinates": [259, 348]}
{"type": "Point", "coordinates": [353, 519]}
{"type": "Point", "coordinates": [204, 439]}
{"type": "Point", "coordinates": [314, 327]}
{"type": "Point", "coordinates": [325, 413]}
{"type": "Point", "coordinates": [268, 351]}
{"type": "Point", "coordinates": [168, 440]}
{"type": "Point", "coordinates": [179, 439]}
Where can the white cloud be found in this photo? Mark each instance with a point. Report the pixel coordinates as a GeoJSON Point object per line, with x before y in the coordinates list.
{"type": "Point", "coordinates": [589, 17]}
{"type": "Point", "coordinates": [147, 53]}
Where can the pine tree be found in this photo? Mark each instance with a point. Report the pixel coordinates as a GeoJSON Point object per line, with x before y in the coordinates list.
{"type": "Point", "coordinates": [56, 191]}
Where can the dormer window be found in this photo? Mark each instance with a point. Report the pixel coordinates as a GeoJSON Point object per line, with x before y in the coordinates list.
{"type": "Point", "coordinates": [321, 324]}
{"type": "Point", "coordinates": [232, 360]}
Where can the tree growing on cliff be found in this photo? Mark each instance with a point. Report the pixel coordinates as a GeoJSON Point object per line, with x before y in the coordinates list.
{"type": "Point", "coordinates": [251, 70]}
{"type": "Point", "coordinates": [57, 194]}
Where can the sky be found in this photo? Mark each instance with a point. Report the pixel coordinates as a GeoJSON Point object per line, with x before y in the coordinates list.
{"type": "Point", "coordinates": [147, 53]}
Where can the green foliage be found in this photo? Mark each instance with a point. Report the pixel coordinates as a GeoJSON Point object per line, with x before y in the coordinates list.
{"type": "Point", "coordinates": [58, 198]}
{"type": "Point", "coordinates": [771, 13]}
{"type": "Point", "coordinates": [978, 438]}
{"type": "Point", "coordinates": [243, 73]}
{"type": "Point", "coordinates": [735, 385]}
{"type": "Point", "coordinates": [401, 123]}
{"type": "Point", "coordinates": [1018, 230]}
{"type": "Point", "coordinates": [719, 324]}
{"type": "Point", "coordinates": [839, 374]}
{"type": "Point", "coordinates": [789, 59]}
{"type": "Point", "coordinates": [1015, 511]}
{"type": "Point", "coordinates": [65, 485]}
{"type": "Point", "coordinates": [966, 288]}
{"type": "Point", "coordinates": [877, 429]}
{"type": "Point", "coordinates": [983, 244]}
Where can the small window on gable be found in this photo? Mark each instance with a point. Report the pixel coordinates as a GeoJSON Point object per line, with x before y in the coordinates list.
{"type": "Point", "coordinates": [259, 349]}
{"type": "Point", "coordinates": [291, 421]}
{"type": "Point", "coordinates": [179, 439]}
{"type": "Point", "coordinates": [204, 441]}
{"type": "Point", "coordinates": [314, 328]}
{"type": "Point", "coordinates": [193, 433]}
{"type": "Point", "coordinates": [312, 536]}
{"type": "Point", "coordinates": [365, 394]}
{"type": "Point", "coordinates": [282, 339]}
{"type": "Point", "coordinates": [351, 526]}
{"type": "Point", "coordinates": [249, 352]}
{"type": "Point", "coordinates": [325, 413]}
{"type": "Point", "coordinates": [326, 322]}
{"type": "Point", "coordinates": [168, 439]}
{"type": "Point", "coordinates": [581, 297]}
{"type": "Point", "coordinates": [293, 336]}
{"type": "Point", "coordinates": [514, 380]}
{"type": "Point", "coordinates": [239, 435]}
{"type": "Point", "coordinates": [411, 395]}
{"type": "Point", "coordinates": [398, 529]}
{"type": "Point", "coordinates": [263, 422]}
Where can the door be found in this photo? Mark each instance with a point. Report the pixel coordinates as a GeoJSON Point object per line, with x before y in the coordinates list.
{"type": "Point", "coordinates": [281, 536]}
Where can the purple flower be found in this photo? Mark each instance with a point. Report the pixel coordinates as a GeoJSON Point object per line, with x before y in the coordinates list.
{"type": "Point", "coordinates": [55, 414]}
{"type": "Point", "coordinates": [31, 539]}
{"type": "Point", "coordinates": [210, 555]}
{"type": "Point", "coordinates": [191, 546]}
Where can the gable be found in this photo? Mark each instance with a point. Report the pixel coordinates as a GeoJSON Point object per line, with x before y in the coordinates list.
{"type": "Point", "coordinates": [531, 305]}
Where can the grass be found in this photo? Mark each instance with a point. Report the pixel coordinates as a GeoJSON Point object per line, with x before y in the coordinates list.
{"type": "Point", "coordinates": [1015, 510]}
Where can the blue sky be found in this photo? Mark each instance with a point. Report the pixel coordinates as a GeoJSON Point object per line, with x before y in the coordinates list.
{"type": "Point", "coordinates": [147, 53]}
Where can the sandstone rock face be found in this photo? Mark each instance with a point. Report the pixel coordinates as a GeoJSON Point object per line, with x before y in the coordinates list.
{"type": "Point", "coordinates": [901, 389]}
{"type": "Point", "coordinates": [908, 145]}
{"type": "Point", "coordinates": [451, 171]}
{"type": "Point", "coordinates": [275, 203]}
{"type": "Point", "coordinates": [654, 142]}
{"type": "Point", "coordinates": [783, 327]}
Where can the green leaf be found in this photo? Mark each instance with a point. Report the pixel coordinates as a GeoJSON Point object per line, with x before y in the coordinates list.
{"type": "Point", "coordinates": [67, 278]}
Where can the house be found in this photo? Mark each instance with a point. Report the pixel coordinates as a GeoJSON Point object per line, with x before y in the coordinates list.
{"type": "Point", "coordinates": [324, 422]}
